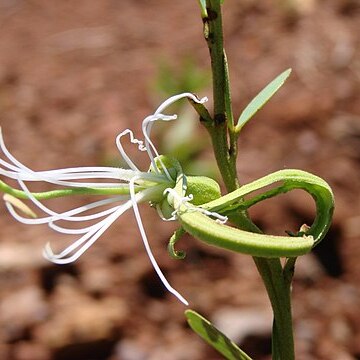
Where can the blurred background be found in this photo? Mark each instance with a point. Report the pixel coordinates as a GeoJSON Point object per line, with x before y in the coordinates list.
{"type": "Point", "coordinates": [73, 74]}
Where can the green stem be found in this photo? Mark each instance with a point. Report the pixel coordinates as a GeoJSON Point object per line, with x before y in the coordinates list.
{"type": "Point", "coordinates": [223, 117]}
{"type": "Point", "coordinates": [71, 191]}
{"type": "Point", "coordinates": [276, 279]}
{"type": "Point", "coordinates": [279, 291]}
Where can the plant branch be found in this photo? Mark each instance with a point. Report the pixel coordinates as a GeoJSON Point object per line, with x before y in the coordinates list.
{"type": "Point", "coordinates": [223, 116]}
{"type": "Point", "coordinates": [224, 139]}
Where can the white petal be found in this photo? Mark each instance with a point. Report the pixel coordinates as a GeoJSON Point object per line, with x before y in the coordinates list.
{"type": "Point", "coordinates": [69, 215]}
{"type": "Point", "coordinates": [150, 148]}
{"type": "Point", "coordinates": [17, 170]}
{"type": "Point", "coordinates": [147, 246]}
{"type": "Point", "coordinates": [86, 240]}
{"type": "Point", "coordinates": [122, 151]}
{"type": "Point", "coordinates": [175, 98]}
{"type": "Point", "coordinates": [148, 123]}
{"type": "Point", "coordinates": [18, 164]}
{"type": "Point", "coordinates": [95, 231]}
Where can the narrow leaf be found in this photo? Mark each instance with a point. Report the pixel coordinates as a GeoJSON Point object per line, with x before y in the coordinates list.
{"type": "Point", "coordinates": [261, 99]}
{"type": "Point", "coordinates": [202, 4]}
{"type": "Point", "coordinates": [214, 337]}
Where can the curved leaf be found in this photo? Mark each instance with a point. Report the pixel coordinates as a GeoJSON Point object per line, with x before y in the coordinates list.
{"type": "Point", "coordinates": [212, 232]}
{"type": "Point", "coordinates": [214, 337]}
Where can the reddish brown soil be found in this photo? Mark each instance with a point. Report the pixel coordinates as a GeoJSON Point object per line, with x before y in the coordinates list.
{"type": "Point", "coordinates": [74, 74]}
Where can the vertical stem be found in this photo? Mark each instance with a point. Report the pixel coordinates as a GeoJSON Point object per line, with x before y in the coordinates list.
{"type": "Point", "coordinates": [223, 116]}
{"type": "Point", "coordinates": [221, 129]}
{"type": "Point", "coordinates": [278, 288]}
{"type": "Point", "coordinates": [214, 37]}
{"type": "Point", "coordinates": [277, 281]}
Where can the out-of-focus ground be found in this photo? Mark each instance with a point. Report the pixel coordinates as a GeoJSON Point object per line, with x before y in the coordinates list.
{"type": "Point", "coordinates": [74, 74]}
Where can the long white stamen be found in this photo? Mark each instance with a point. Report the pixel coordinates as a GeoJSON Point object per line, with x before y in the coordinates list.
{"type": "Point", "coordinates": [10, 157]}
{"type": "Point", "coordinates": [17, 170]}
{"type": "Point", "coordinates": [175, 98]}
{"type": "Point", "coordinates": [95, 231]}
{"type": "Point", "coordinates": [65, 230]}
{"type": "Point", "coordinates": [88, 239]}
{"type": "Point", "coordinates": [167, 103]}
{"type": "Point", "coordinates": [34, 200]}
{"type": "Point", "coordinates": [148, 123]}
{"type": "Point", "coordinates": [57, 176]}
{"type": "Point", "coordinates": [49, 254]}
{"type": "Point", "coordinates": [65, 216]}
{"type": "Point", "coordinates": [147, 246]}
{"type": "Point", "coordinates": [56, 180]}
{"type": "Point", "coordinates": [12, 168]}
{"type": "Point", "coordinates": [111, 173]}
{"type": "Point", "coordinates": [68, 215]}
{"type": "Point", "coordinates": [69, 231]}
{"type": "Point", "coordinates": [122, 151]}
{"type": "Point", "coordinates": [148, 143]}
{"type": "Point", "coordinates": [140, 197]}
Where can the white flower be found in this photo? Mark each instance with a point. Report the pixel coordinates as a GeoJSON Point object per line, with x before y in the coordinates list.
{"type": "Point", "coordinates": [127, 188]}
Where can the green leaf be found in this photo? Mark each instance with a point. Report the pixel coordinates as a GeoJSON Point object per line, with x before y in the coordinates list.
{"type": "Point", "coordinates": [261, 99]}
{"type": "Point", "coordinates": [214, 337]}
{"type": "Point", "coordinates": [202, 4]}
{"type": "Point", "coordinates": [210, 231]}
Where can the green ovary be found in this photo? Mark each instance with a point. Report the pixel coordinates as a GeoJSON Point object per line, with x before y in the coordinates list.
{"type": "Point", "coordinates": [203, 189]}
